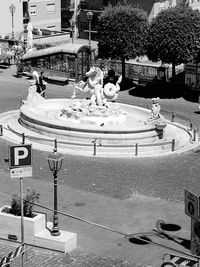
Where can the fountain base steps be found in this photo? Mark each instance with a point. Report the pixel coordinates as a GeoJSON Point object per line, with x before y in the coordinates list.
{"type": "Point", "coordinates": [112, 145]}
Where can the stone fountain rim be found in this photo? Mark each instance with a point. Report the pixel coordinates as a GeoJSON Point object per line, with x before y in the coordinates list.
{"type": "Point", "coordinates": [26, 114]}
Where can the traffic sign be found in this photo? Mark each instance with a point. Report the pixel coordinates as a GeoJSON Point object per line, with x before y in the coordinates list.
{"type": "Point", "coordinates": [20, 156]}
{"type": "Point", "coordinates": [21, 172]}
{"type": "Point", "coordinates": [191, 205]}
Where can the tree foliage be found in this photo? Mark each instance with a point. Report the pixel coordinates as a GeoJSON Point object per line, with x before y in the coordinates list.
{"type": "Point", "coordinates": [122, 32]}
{"type": "Point", "coordinates": [174, 35]}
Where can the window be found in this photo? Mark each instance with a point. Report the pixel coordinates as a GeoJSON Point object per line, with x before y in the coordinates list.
{"type": "Point", "coordinates": [33, 10]}
{"type": "Point", "coordinates": [50, 8]}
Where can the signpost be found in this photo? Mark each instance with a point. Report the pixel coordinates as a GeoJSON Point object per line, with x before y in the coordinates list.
{"type": "Point", "coordinates": [191, 205]}
{"type": "Point", "coordinates": [192, 210]}
{"type": "Point", "coordinates": [20, 159]}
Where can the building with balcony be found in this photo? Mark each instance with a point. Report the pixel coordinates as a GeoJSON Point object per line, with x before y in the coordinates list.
{"type": "Point", "coordinates": [44, 14]}
{"type": "Point", "coordinates": [14, 15]}
{"type": "Point", "coordinates": [97, 6]}
{"type": "Point", "coordinates": [164, 4]}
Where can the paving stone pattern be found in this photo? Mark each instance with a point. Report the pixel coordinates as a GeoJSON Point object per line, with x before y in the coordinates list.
{"type": "Point", "coordinates": [35, 257]}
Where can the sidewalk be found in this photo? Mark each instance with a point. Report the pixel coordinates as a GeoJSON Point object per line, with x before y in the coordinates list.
{"type": "Point", "coordinates": [136, 215]}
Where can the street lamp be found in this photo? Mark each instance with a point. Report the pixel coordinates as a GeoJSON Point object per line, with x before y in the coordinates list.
{"type": "Point", "coordinates": [89, 18]}
{"type": "Point", "coordinates": [12, 11]}
{"type": "Point", "coordinates": [55, 163]}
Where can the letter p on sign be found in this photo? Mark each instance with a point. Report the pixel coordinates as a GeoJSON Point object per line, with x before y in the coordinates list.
{"type": "Point", "coordinates": [20, 156]}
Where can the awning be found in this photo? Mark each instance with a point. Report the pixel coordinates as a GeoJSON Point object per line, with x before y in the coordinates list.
{"type": "Point", "coordinates": [68, 48]}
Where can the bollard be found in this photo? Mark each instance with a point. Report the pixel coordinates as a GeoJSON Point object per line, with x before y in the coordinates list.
{"type": "Point", "coordinates": [136, 149]}
{"type": "Point", "coordinates": [173, 144]}
{"type": "Point", "coordinates": [191, 126]}
{"type": "Point", "coordinates": [173, 116]}
{"type": "Point", "coordinates": [23, 138]}
{"type": "Point", "coordinates": [1, 130]}
{"type": "Point", "coordinates": [194, 134]}
{"type": "Point", "coordinates": [55, 146]}
{"type": "Point", "coordinates": [95, 147]}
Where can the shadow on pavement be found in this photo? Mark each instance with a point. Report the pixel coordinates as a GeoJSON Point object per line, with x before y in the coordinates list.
{"type": "Point", "coordinates": [126, 84]}
{"type": "Point", "coordinates": [161, 227]}
{"type": "Point", "coordinates": [160, 89]}
{"type": "Point", "coordinates": [141, 241]}
{"type": "Point", "coordinates": [170, 227]}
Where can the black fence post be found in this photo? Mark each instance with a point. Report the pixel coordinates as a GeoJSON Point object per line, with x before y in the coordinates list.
{"type": "Point", "coordinates": [136, 149]}
{"type": "Point", "coordinates": [194, 134]}
{"type": "Point", "coordinates": [1, 130]}
{"type": "Point", "coordinates": [23, 138]}
{"type": "Point", "coordinates": [173, 145]}
{"type": "Point", "coordinates": [95, 147]}
{"type": "Point", "coordinates": [173, 116]}
{"type": "Point", "coordinates": [191, 126]}
{"type": "Point", "coordinates": [55, 145]}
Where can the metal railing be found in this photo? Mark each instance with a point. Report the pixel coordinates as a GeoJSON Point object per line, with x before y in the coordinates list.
{"type": "Point", "coordinates": [94, 144]}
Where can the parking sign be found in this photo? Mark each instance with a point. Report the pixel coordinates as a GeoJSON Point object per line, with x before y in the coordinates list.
{"type": "Point", "coordinates": [20, 155]}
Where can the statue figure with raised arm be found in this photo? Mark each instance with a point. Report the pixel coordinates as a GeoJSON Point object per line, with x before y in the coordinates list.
{"type": "Point", "coordinates": [94, 84]}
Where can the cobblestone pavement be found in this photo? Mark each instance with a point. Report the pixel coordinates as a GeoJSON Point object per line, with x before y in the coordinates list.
{"type": "Point", "coordinates": [34, 257]}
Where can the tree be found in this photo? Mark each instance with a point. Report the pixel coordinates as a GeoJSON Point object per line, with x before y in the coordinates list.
{"type": "Point", "coordinates": [174, 36]}
{"type": "Point", "coordinates": [122, 33]}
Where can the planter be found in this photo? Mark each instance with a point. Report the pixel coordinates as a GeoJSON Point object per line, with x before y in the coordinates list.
{"type": "Point", "coordinates": [11, 225]}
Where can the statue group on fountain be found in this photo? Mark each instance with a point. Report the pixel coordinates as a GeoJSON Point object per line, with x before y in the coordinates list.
{"type": "Point", "coordinates": [155, 116]}
{"type": "Point", "coordinates": [100, 91]}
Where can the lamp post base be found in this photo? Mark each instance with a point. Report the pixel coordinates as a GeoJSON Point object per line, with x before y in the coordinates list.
{"type": "Point", "coordinates": [55, 231]}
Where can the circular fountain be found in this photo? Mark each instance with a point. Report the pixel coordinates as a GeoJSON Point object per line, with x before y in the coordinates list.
{"type": "Point", "coordinates": [95, 126]}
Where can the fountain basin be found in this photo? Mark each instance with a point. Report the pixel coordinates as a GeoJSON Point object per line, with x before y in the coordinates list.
{"type": "Point", "coordinates": [128, 128]}
{"type": "Point", "coordinates": [124, 134]}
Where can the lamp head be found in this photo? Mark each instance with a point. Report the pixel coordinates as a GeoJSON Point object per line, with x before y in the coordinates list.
{"type": "Point", "coordinates": [55, 160]}
{"type": "Point", "coordinates": [89, 15]}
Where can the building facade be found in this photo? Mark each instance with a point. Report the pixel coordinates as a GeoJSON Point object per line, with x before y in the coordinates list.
{"type": "Point", "coordinates": [97, 6]}
{"type": "Point", "coordinates": [14, 15]}
{"type": "Point", "coordinates": [44, 14]}
{"type": "Point", "coordinates": [160, 5]}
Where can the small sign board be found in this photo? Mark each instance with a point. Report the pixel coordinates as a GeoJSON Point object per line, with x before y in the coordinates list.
{"type": "Point", "coordinates": [21, 172]}
{"type": "Point", "coordinates": [20, 155]}
{"type": "Point", "coordinates": [191, 205]}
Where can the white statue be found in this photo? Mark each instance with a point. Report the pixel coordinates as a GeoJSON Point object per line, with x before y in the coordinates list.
{"type": "Point", "coordinates": [155, 109]}
{"type": "Point", "coordinates": [155, 116]}
{"type": "Point", "coordinates": [94, 84]}
{"type": "Point", "coordinates": [33, 97]}
{"type": "Point", "coordinates": [29, 36]}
